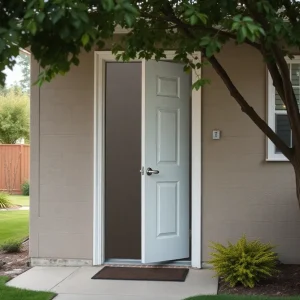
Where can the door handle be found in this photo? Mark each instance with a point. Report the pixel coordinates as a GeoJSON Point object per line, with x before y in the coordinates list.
{"type": "Point", "coordinates": [149, 172]}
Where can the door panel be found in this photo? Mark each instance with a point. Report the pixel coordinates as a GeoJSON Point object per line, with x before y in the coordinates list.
{"type": "Point", "coordinates": [165, 148]}
{"type": "Point", "coordinates": [167, 136]}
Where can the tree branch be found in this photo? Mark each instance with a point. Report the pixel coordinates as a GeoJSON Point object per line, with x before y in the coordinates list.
{"type": "Point", "coordinates": [274, 72]}
{"type": "Point", "coordinates": [247, 109]}
{"type": "Point", "coordinates": [234, 92]}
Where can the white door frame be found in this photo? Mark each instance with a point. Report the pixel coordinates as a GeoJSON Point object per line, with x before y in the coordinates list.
{"type": "Point", "coordinates": [101, 57]}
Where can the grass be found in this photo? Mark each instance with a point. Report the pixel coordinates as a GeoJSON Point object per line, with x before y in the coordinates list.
{"type": "Point", "coordinates": [14, 225]}
{"type": "Point", "coordinates": [237, 297]}
{"type": "Point", "coordinates": [9, 293]}
{"type": "Point", "coordinates": [19, 200]}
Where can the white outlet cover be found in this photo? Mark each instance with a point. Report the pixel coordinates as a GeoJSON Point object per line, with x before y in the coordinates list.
{"type": "Point", "coordinates": [216, 134]}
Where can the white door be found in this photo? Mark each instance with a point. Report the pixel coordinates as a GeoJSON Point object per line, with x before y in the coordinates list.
{"type": "Point", "coordinates": [165, 149]}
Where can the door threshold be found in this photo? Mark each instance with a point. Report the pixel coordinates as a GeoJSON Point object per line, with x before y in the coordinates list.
{"type": "Point", "coordinates": [137, 262]}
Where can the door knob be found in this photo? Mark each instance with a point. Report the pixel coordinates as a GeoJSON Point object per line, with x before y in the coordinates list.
{"type": "Point", "coordinates": [149, 172]}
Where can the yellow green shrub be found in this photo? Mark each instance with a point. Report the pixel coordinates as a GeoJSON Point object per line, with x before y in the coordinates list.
{"type": "Point", "coordinates": [246, 262]}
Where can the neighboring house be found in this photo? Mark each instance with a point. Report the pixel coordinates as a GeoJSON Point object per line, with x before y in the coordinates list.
{"type": "Point", "coordinates": [93, 130]}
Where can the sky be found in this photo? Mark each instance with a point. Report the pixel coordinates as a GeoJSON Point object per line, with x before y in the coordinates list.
{"type": "Point", "coordinates": [13, 76]}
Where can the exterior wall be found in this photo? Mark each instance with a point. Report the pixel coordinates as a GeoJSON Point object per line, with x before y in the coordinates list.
{"type": "Point", "coordinates": [242, 192]}
{"type": "Point", "coordinates": [61, 223]}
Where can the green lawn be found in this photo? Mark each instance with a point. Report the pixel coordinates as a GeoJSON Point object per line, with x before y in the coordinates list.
{"type": "Point", "coordinates": [13, 225]}
{"type": "Point", "coordinates": [19, 200]}
{"type": "Point", "coordinates": [232, 297]}
{"type": "Point", "coordinates": [9, 293]}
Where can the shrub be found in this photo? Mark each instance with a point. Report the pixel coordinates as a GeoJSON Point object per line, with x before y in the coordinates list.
{"type": "Point", "coordinates": [25, 188]}
{"type": "Point", "coordinates": [245, 262]}
{"type": "Point", "coordinates": [11, 246]}
{"type": "Point", "coordinates": [4, 201]}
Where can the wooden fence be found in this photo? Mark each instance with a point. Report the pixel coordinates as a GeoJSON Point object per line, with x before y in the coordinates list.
{"type": "Point", "coordinates": [14, 167]}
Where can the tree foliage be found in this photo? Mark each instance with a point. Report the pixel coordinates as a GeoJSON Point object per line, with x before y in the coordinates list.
{"type": "Point", "coordinates": [57, 31]}
{"type": "Point", "coordinates": [14, 116]}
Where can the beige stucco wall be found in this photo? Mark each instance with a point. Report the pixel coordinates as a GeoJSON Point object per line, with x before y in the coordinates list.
{"type": "Point", "coordinates": [62, 164]}
{"type": "Point", "coordinates": [242, 193]}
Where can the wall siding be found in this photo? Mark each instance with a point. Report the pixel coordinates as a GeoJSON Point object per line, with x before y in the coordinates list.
{"type": "Point", "coordinates": [242, 193]}
{"type": "Point", "coordinates": [62, 176]}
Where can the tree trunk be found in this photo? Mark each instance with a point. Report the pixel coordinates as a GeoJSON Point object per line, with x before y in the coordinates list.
{"type": "Point", "coordinates": [296, 165]}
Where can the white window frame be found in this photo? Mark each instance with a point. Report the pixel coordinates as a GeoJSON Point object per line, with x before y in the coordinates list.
{"type": "Point", "coordinates": [271, 149]}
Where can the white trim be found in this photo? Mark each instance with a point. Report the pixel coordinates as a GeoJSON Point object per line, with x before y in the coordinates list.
{"type": "Point", "coordinates": [271, 149]}
{"type": "Point", "coordinates": [143, 163]}
{"type": "Point", "coordinates": [114, 261]}
{"type": "Point", "coordinates": [101, 57]}
{"type": "Point", "coordinates": [98, 211]}
{"type": "Point", "coordinates": [196, 175]}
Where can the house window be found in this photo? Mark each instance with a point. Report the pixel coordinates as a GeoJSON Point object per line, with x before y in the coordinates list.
{"type": "Point", "coordinates": [277, 115]}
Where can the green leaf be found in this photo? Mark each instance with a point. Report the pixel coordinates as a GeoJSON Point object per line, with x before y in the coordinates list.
{"type": "Point", "coordinates": [262, 31]}
{"type": "Point", "coordinates": [252, 28]}
{"type": "Point", "coordinates": [199, 83]}
{"type": "Point", "coordinates": [56, 16]}
{"type": "Point", "coordinates": [189, 12]}
{"type": "Point", "coordinates": [187, 69]}
{"type": "Point", "coordinates": [2, 30]}
{"type": "Point", "coordinates": [193, 20]}
{"type": "Point", "coordinates": [77, 23]}
{"type": "Point", "coordinates": [277, 27]}
{"type": "Point", "coordinates": [129, 19]}
{"type": "Point", "coordinates": [202, 17]}
{"type": "Point", "coordinates": [235, 26]}
{"type": "Point", "coordinates": [205, 41]}
{"type": "Point", "coordinates": [84, 17]}
{"type": "Point", "coordinates": [85, 39]}
{"type": "Point", "coordinates": [42, 4]}
{"type": "Point", "coordinates": [29, 14]}
{"type": "Point", "coordinates": [108, 4]}
{"type": "Point", "coordinates": [64, 32]}
{"type": "Point", "coordinates": [237, 18]}
{"type": "Point", "coordinates": [266, 7]}
{"type": "Point", "coordinates": [31, 4]}
{"type": "Point", "coordinates": [32, 27]}
{"type": "Point", "coordinates": [40, 17]}
{"type": "Point", "coordinates": [2, 45]}
{"type": "Point", "coordinates": [244, 32]}
{"type": "Point", "coordinates": [75, 60]}
{"type": "Point", "coordinates": [209, 51]}
{"type": "Point", "coordinates": [247, 19]}
{"type": "Point", "coordinates": [130, 8]}
{"type": "Point", "coordinates": [100, 44]}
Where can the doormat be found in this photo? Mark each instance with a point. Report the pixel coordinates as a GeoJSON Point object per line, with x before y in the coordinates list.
{"type": "Point", "coordinates": [147, 274]}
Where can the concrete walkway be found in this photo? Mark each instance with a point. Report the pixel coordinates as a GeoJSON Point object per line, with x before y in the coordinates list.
{"type": "Point", "coordinates": [72, 283]}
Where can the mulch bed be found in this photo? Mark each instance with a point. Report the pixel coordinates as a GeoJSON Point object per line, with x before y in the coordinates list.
{"type": "Point", "coordinates": [15, 263]}
{"type": "Point", "coordinates": [286, 283]}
